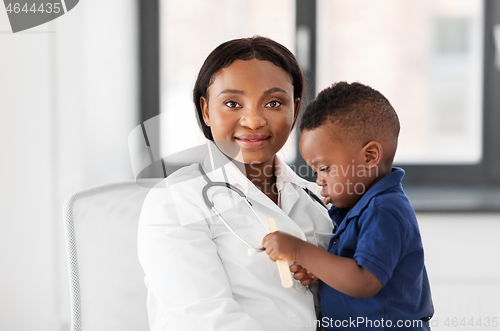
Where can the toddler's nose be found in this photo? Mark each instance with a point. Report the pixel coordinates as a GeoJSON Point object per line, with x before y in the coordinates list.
{"type": "Point", "coordinates": [320, 181]}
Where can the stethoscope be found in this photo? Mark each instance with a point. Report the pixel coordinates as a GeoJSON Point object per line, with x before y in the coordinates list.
{"type": "Point", "coordinates": [252, 250]}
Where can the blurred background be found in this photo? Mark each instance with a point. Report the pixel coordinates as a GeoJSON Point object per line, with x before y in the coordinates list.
{"type": "Point", "coordinates": [72, 90]}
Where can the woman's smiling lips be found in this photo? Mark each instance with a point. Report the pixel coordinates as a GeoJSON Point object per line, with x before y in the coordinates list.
{"type": "Point", "coordinates": [252, 140]}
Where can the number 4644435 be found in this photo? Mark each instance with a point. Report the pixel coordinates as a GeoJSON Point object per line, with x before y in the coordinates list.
{"type": "Point", "coordinates": [484, 321]}
{"type": "Point", "coordinates": [47, 8]}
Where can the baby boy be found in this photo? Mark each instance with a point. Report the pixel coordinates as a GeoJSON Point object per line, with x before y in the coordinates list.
{"type": "Point", "coordinates": [373, 275]}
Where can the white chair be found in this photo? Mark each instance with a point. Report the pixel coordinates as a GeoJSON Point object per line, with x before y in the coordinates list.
{"type": "Point", "coordinates": [107, 282]}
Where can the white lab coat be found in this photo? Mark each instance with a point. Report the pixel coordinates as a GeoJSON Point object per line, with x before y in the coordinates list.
{"type": "Point", "coordinates": [199, 275]}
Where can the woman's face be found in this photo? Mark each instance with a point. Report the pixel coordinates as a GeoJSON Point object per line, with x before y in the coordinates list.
{"type": "Point", "coordinates": [250, 110]}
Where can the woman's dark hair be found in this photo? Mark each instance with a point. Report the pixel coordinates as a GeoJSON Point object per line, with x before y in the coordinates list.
{"type": "Point", "coordinates": [245, 49]}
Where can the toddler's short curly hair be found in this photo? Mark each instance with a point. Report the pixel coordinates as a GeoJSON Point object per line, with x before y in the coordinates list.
{"type": "Point", "coordinates": [359, 113]}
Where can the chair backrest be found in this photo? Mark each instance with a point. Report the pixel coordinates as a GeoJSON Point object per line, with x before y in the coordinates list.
{"type": "Point", "coordinates": [106, 280]}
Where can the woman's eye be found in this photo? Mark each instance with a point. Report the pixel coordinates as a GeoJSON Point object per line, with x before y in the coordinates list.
{"type": "Point", "coordinates": [274, 104]}
{"type": "Point", "coordinates": [232, 104]}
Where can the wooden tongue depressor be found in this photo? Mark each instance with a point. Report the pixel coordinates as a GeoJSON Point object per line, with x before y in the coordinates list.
{"type": "Point", "coordinates": [285, 274]}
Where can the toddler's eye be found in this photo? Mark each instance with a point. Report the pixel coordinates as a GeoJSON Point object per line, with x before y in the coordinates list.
{"type": "Point", "coordinates": [324, 169]}
{"type": "Point", "coordinates": [232, 104]}
{"type": "Point", "coordinates": [274, 104]}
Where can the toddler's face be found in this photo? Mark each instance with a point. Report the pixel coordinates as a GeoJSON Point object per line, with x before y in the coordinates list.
{"type": "Point", "coordinates": [341, 169]}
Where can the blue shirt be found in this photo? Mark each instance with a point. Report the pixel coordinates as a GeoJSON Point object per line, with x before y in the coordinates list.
{"type": "Point", "coordinates": [381, 233]}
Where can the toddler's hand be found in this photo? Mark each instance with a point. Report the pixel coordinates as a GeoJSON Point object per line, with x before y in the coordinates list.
{"type": "Point", "coordinates": [281, 246]}
{"type": "Point", "coordinates": [302, 274]}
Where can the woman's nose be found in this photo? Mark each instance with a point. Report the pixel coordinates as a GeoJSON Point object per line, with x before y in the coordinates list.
{"type": "Point", "coordinates": [253, 119]}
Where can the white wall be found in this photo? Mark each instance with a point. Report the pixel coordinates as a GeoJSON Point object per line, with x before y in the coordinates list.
{"type": "Point", "coordinates": [68, 100]}
{"type": "Point", "coordinates": [462, 254]}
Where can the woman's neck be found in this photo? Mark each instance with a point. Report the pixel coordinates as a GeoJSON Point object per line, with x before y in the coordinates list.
{"type": "Point", "coordinates": [264, 178]}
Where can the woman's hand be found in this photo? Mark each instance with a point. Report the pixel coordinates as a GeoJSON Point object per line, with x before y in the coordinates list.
{"type": "Point", "coordinates": [282, 246]}
{"type": "Point", "coordinates": [300, 273]}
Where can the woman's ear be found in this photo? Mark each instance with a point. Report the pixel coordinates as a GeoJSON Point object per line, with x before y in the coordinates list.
{"type": "Point", "coordinates": [373, 153]}
{"type": "Point", "coordinates": [204, 110]}
{"type": "Point", "coordinates": [296, 110]}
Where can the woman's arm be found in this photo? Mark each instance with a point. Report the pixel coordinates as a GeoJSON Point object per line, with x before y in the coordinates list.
{"type": "Point", "coordinates": [341, 273]}
{"type": "Point", "coordinates": [187, 283]}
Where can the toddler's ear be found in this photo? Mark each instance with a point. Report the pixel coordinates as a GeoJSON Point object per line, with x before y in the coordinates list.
{"type": "Point", "coordinates": [373, 153]}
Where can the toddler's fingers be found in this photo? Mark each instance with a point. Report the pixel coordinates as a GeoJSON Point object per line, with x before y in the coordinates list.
{"type": "Point", "coordinates": [265, 240]}
{"type": "Point", "coordinates": [273, 256]}
{"type": "Point", "coordinates": [300, 275]}
{"type": "Point", "coordinates": [306, 281]}
{"type": "Point", "coordinates": [295, 267]}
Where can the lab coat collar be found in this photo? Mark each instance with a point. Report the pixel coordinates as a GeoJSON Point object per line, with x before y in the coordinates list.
{"type": "Point", "coordinates": [219, 167]}
{"type": "Point", "coordinates": [284, 174]}
{"type": "Point", "coordinates": [287, 181]}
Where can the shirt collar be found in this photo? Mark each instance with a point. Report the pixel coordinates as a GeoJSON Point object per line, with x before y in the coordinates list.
{"type": "Point", "coordinates": [392, 179]}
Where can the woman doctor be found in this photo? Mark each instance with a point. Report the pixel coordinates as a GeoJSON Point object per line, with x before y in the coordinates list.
{"type": "Point", "coordinates": [198, 273]}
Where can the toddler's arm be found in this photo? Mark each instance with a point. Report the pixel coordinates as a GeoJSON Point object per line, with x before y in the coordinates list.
{"type": "Point", "coordinates": [341, 273]}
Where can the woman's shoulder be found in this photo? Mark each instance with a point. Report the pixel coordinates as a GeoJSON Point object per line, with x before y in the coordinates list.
{"type": "Point", "coordinates": [181, 182]}
{"type": "Point", "coordinates": [176, 195]}
{"type": "Point", "coordinates": [184, 174]}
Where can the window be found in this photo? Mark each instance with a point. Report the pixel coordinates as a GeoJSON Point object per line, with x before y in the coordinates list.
{"type": "Point", "coordinates": [425, 56]}
{"type": "Point", "coordinates": [433, 59]}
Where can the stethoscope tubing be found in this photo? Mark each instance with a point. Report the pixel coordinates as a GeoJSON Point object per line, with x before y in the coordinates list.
{"type": "Point", "coordinates": [211, 205]}
{"type": "Point", "coordinates": [252, 249]}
